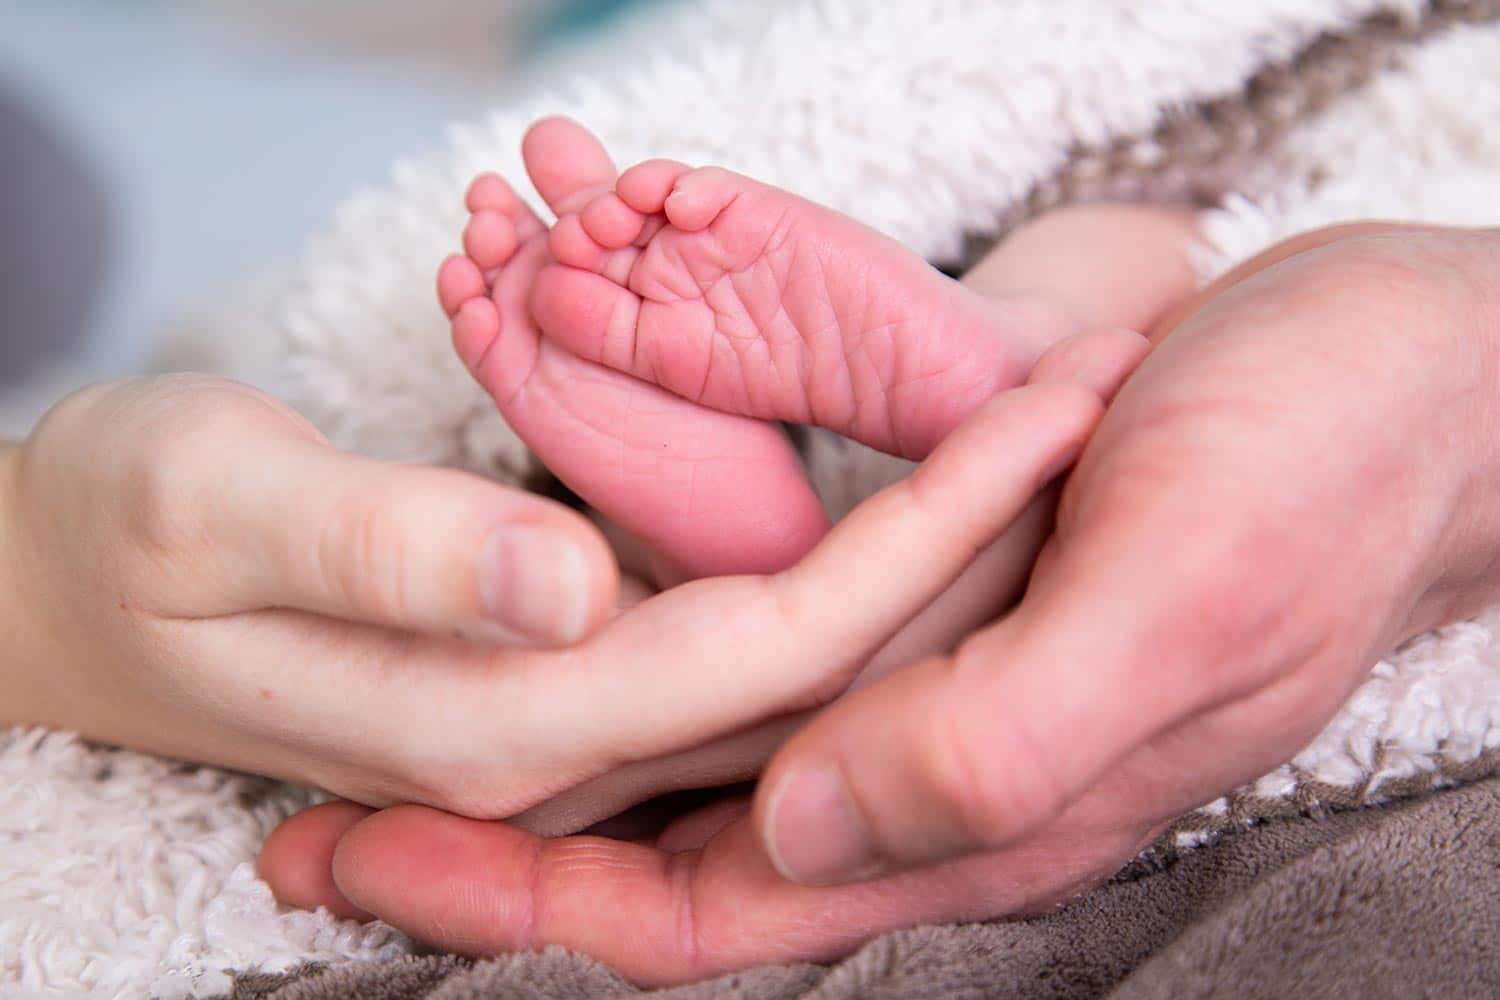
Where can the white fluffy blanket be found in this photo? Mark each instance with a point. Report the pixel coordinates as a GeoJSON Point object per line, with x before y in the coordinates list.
{"type": "Point", "coordinates": [130, 876]}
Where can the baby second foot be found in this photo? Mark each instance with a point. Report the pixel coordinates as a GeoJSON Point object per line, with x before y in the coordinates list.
{"type": "Point", "coordinates": [750, 300]}
{"type": "Point", "coordinates": [710, 492]}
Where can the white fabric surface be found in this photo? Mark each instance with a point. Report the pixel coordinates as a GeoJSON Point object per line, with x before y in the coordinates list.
{"type": "Point", "coordinates": [129, 876]}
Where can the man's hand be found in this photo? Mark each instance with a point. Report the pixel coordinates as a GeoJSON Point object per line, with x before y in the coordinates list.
{"type": "Point", "coordinates": [1302, 476]}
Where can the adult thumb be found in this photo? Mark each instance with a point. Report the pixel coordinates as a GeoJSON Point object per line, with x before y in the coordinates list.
{"type": "Point", "coordinates": [971, 752]}
{"type": "Point", "coordinates": [303, 525]}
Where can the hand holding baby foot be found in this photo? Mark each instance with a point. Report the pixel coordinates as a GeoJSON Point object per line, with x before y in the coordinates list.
{"type": "Point", "coordinates": [778, 645]}
{"type": "Point", "coordinates": [190, 568]}
{"type": "Point", "coordinates": [1205, 559]}
{"type": "Point", "coordinates": [987, 587]}
{"type": "Point", "coordinates": [745, 299]}
{"type": "Point", "coordinates": [694, 260]}
{"type": "Point", "coordinates": [1205, 605]}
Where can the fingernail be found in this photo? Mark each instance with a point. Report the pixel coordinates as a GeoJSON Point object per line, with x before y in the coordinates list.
{"type": "Point", "coordinates": [814, 834]}
{"type": "Point", "coordinates": [533, 582]}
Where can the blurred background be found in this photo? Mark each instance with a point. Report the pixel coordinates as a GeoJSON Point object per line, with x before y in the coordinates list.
{"type": "Point", "coordinates": [153, 152]}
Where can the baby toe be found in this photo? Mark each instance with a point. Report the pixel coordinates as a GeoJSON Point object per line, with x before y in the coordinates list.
{"type": "Point", "coordinates": [491, 192]}
{"type": "Point", "coordinates": [611, 222]}
{"type": "Point", "coordinates": [458, 280]}
{"type": "Point", "coordinates": [571, 244]}
{"type": "Point", "coordinates": [476, 326]}
{"type": "Point", "coordinates": [645, 186]}
{"type": "Point", "coordinates": [698, 197]}
{"type": "Point", "coordinates": [489, 239]}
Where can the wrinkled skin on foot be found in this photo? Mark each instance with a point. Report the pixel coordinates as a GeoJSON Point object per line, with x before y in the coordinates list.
{"type": "Point", "coordinates": [750, 300]}
{"type": "Point", "coordinates": [671, 472]}
{"type": "Point", "coordinates": [1302, 476]}
{"type": "Point", "coordinates": [727, 293]}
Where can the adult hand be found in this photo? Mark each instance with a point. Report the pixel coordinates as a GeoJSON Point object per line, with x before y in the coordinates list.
{"type": "Point", "coordinates": [189, 568]}
{"type": "Point", "coordinates": [1103, 270]}
{"type": "Point", "coordinates": [1206, 604]}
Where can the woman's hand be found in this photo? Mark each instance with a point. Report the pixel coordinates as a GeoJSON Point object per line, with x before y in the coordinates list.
{"type": "Point", "coordinates": [188, 568]}
{"type": "Point", "coordinates": [1303, 475]}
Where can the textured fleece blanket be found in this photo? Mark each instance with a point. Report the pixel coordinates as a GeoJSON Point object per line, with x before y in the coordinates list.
{"type": "Point", "coordinates": [1396, 902]}
{"type": "Point", "coordinates": [941, 122]}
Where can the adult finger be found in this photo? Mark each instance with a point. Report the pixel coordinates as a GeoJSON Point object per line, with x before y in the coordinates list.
{"type": "Point", "coordinates": [969, 752]}
{"type": "Point", "coordinates": [663, 917]}
{"type": "Point", "coordinates": [1099, 361]}
{"type": "Point", "coordinates": [296, 860]}
{"type": "Point", "coordinates": [735, 758]}
{"type": "Point", "coordinates": [302, 525]}
{"type": "Point", "coordinates": [797, 638]}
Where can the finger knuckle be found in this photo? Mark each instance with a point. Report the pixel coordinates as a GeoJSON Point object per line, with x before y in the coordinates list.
{"type": "Point", "coordinates": [359, 559]}
{"type": "Point", "coordinates": [994, 783]}
{"type": "Point", "coordinates": [175, 453]}
{"type": "Point", "coordinates": [1233, 621]}
{"type": "Point", "coordinates": [161, 488]}
{"type": "Point", "coordinates": [1403, 279]}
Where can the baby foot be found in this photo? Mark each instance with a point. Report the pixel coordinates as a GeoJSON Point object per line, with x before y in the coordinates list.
{"type": "Point", "coordinates": [750, 300]}
{"type": "Point", "coordinates": [667, 470]}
